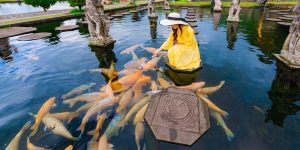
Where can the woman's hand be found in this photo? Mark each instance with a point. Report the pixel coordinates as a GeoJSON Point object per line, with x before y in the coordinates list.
{"type": "Point", "coordinates": [155, 53]}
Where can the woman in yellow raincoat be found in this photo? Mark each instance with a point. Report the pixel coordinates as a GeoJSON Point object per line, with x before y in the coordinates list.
{"type": "Point", "coordinates": [183, 51]}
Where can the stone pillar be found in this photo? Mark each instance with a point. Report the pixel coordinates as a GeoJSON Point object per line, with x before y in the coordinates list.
{"type": "Point", "coordinates": [290, 53]}
{"type": "Point", "coordinates": [167, 5]}
{"type": "Point", "coordinates": [98, 24]}
{"type": "Point", "coordinates": [234, 11]}
{"type": "Point", "coordinates": [218, 5]}
{"type": "Point", "coordinates": [153, 27]}
{"type": "Point", "coordinates": [151, 9]}
{"type": "Point", "coordinates": [231, 33]}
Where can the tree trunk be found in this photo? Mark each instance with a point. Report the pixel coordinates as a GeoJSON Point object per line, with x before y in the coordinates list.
{"type": "Point", "coordinates": [79, 7]}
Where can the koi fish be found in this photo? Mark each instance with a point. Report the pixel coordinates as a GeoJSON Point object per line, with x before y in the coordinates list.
{"type": "Point", "coordinates": [100, 121]}
{"type": "Point", "coordinates": [149, 49]}
{"type": "Point", "coordinates": [133, 64]}
{"type": "Point", "coordinates": [14, 144]}
{"type": "Point", "coordinates": [135, 108]}
{"type": "Point", "coordinates": [127, 71]}
{"type": "Point", "coordinates": [104, 71]}
{"type": "Point", "coordinates": [154, 86]}
{"type": "Point", "coordinates": [139, 84]}
{"type": "Point", "coordinates": [78, 90]}
{"type": "Point", "coordinates": [163, 83]}
{"type": "Point", "coordinates": [111, 71]}
{"type": "Point", "coordinates": [139, 133]}
{"type": "Point", "coordinates": [64, 116]}
{"type": "Point", "coordinates": [130, 49]}
{"type": "Point", "coordinates": [44, 110]}
{"type": "Point", "coordinates": [92, 145]}
{"type": "Point", "coordinates": [209, 90]}
{"type": "Point", "coordinates": [30, 146]}
{"type": "Point", "coordinates": [108, 89]}
{"type": "Point", "coordinates": [212, 105]}
{"type": "Point", "coordinates": [140, 114]}
{"type": "Point", "coordinates": [124, 101]}
{"type": "Point", "coordinates": [193, 86]}
{"type": "Point", "coordinates": [103, 144]}
{"type": "Point", "coordinates": [129, 80]}
{"type": "Point", "coordinates": [58, 127]}
{"type": "Point", "coordinates": [112, 128]}
{"type": "Point", "coordinates": [84, 107]}
{"type": "Point", "coordinates": [70, 147]}
{"type": "Point", "coordinates": [151, 63]}
{"type": "Point", "coordinates": [88, 97]}
{"type": "Point", "coordinates": [221, 122]}
{"type": "Point", "coordinates": [99, 106]}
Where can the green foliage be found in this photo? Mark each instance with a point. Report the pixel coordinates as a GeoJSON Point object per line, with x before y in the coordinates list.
{"type": "Point", "coordinates": [78, 3]}
{"type": "Point", "coordinates": [77, 11]}
{"type": "Point", "coordinates": [45, 4]}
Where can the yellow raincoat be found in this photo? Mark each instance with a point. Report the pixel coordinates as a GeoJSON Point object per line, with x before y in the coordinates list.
{"type": "Point", "coordinates": [185, 53]}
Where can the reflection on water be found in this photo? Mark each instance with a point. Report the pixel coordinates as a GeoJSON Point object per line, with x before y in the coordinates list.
{"type": "Point", "coordinates": [285, 92]}
{"type": "Point", "coordinates": [153, 27]}
{"type": "Point", "coordinates": [180, 78]}
{"type": "Point", "coordinates": [6, 50]}
{"type": "Point", "coordinates": [216, 19]}
{"type": "Point", "coordinates": [135, 17]}
{"type": "Point", "coordinates": [231, 34]}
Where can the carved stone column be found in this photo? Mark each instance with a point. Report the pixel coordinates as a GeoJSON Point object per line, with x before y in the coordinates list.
{"type": "Point", "coordinates": [98, 24]}
{"type": "Point", "coordinates": [151, 9]}
{"type": "Point", "coordinates": [234, 11]}
{"type": "Point", "coordinates": [218, 5]}
{"type": "Point", "coordinates": [290, 53]}
{"type": "Point", "coordinates": [167, 5]}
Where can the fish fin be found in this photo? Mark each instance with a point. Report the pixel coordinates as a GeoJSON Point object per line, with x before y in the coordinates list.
{"type": "Point", "coordinates": [81, 128]}
{"type": "Point", "coordinates": [224, 114]}
{"type": "Point", "coordinates": [71, 102]}
{"type": "Point", "coordinates": [138, 144]}
{"type": "Point", "coordinates": [32, 114]}
{"type": "Point", "coordinates": [222, 83]}
{"type": "Point", "coordinates": [92, 132]}
{"type": "Point", "coordinates": [229, 134]}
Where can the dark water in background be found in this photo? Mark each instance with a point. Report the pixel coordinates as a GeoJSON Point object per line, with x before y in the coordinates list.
{"type": "Point", "coordinates": [40, 69]}
{"type": "Point", "coordinates": [16, 8]}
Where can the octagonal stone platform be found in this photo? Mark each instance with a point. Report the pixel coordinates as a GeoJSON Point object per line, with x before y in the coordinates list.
{"type": "Point", "coordinates": [177, 116]}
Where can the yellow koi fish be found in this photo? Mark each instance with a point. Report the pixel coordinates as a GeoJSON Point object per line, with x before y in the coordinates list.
{"type": "Point", "coordinates": [58, 127]}
{"type": "Point", "coordinates": [30, 146]}
{"type": "Point", "coordinates": [163, 83]}
{"type": "Point", "coordinates": [64, 116]}
{"type": "Point", "coordinates": [212, 105]}
{"type": "Point", "coordinates": [14, 144]}
{"type": "Point", "coordinates": [100, 121]}
{"type": "Point", "coordinates": [103, 144]}
{"type": "Point", "coordinates": [209, 90]}
{"type": "Point", "coordinates": [108, 89]}
{"type": "Point", "coordinates": [150, 49]}
{"type": "Point", "coordinates": [44, 110]}
{"type": "Point", "coordinates": [70, 147]}
{"type": "Point", "coordinates": [130, 49]}
{"type": "Point", "coordinates": [139, 84]}
{"type": "Point", "coordinates": [88, 97]}
{"type": "Point", "coordinates": [154, 86]}
{"type": "Point", "coordinates": [92, 145]}
{"type": "Point", "coordinates": [140, 114]}
{"type": "Point", "coordinates": [221, 122]}
{"type": "Point", "coordinates": [135, 108]}
{"type": "Point", "coordinates": [85, 107]}
{"type": "Point", "coordinates": [78, 90]}
{"type": "Point", "coordinates": [193, 86]}
{"type": "Point", "coordinates": [151, 63]}
{"type": "Point", "coordinates": [124, 101]}
{"type": "Point", "coordinates": [139, 133]}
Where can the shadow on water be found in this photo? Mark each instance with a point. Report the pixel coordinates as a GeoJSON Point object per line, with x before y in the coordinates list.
{"type": "Point", "coordinates": [50, 27]}
{"type": "Point", "coordinates": [180, 78]}
{"type": "Point", "coordinates": [285, 91]}
{"type": "Point", "coordinates": [6, 50]}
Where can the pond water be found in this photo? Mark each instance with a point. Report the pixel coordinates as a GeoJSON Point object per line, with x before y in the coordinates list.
{"type": "Point", "coordinates": [262, 106]}
{"type": "Point", "coordinates": [16, 8]}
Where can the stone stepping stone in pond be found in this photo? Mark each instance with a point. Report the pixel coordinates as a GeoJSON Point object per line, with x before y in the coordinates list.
{"type": "Point", "coordinates": [126, 13]}
{"type": "Point", "coordinates": [282, 13]}
{"type": "Point", "coordinates": [67, 28]}
{"type": "Point", "coordinates": [117, 15]}
{"type": "Point", "coordinates": [274, 11]}
{"type": "Point", "coordinates": [34, 36]}
{"type": "Point", "coordinates": [193, 24]}
{"type": "Point", "coordinates": [286, 18]}
{"type": "Point", "coordinates": [287, 24]}
{"type": "Point", "coordinates": [133, 11]}
{"type": "Point", "coordinates": [14, 31]}
{"type": "Point", "coordinates": [290, 16]}
{"type": "Point", "coordinates": [273, 19]}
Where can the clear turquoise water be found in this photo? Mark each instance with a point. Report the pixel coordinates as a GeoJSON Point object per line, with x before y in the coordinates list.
{"type": "Point", "coordinates": [37, 70]}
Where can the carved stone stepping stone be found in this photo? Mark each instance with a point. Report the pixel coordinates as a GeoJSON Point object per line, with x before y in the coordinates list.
{"type": "Point", "coordinates": [67, 28]}
{"type": "Point", "coordinates": [274, 11]}
{"type": "Point", "coordinates": [14, 31]}
{"type": "Point", "coordinates": [290, 16]}
{"type": "Point", "coordinates": [117, 15]}
{"type": "Point", "coordinates": [133, 11]}
{"type": "Point", "coordinates": [177, 116]}
{"type": "Point", "coordinates": [287, 24]}
{"type": "Point", "coordinates": [126, 13]}
{"type": "Point", "coordinates": [191, 20]}
{"type": "Point", "coordinates": [282, 13]}
{"type": "Point", "coordinates": [273, 19]}
{"type": "Point", "coordinates": [193, 24]}
{"type": "Point", "coordinates": [286, 18]}
{"type": "Point", "coordinates": [34, 36]}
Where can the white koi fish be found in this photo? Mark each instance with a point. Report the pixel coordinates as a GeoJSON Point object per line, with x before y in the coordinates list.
{"type": "Point", "coordinates": [78, 90]}
{"type": "Point", "coordinates": [88, 97]}
{"type": "Point", "coordinates": [209, 90]}
{"type": "Point", "coordinates": [103, 144]}
{"type": "Point", "coordinates": [14, 144]}
{"type": "Point", "coordinates": [221, 122]}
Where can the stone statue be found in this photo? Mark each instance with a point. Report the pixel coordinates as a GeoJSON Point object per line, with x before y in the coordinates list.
{"type": "Point", "coordinates": [151, 9]}
{"type": "Point", "coordinates": [218, 5]}
{"type": "Point", "coordinates": [98, 24]}
{"type": "Point", "coordinates": [234, 11]}
{"type": "Point", "coordinates": [167, 5]}
{"type": "Point", "coordinates": [290, 52]}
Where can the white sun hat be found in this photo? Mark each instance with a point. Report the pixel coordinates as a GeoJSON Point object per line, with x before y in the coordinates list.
{"type": "Point", "coordinates": [173, 18]}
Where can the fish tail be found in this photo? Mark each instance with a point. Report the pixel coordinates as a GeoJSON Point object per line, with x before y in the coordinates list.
{"type": "Point", "coordinates": [229, 134]}
{"type": "Point", "coordinates": [222, 83]}
{"type": "Point", "coordinates": [138, 144]}
{"type": "Point", "coordinates": [81, 128]}
{"type": "Point", "coordinates": [118, 110]}
{"type": "Point", "coordinates": [26, 126]}
{"type": "Point", "coordinates": [71, 102]}
{"type": "Point", "coordinates": [34, 129]}
{"type": "Point", "coordinates": [111, 147]}
{"type": "Point", "coordinates": [64, 96]}
{"type": "Point", "coordinates": [121, 123]}
{"type": "Point", "coordinates": [224, 114]}
{"type": "Point", "coordinates": [92, 132]}
{"type": "Point", "coordinates": [73, 115]}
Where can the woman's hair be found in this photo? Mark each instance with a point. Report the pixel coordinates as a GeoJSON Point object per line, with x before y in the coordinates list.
{"type": "Point", "coordinates": [175, 33]}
